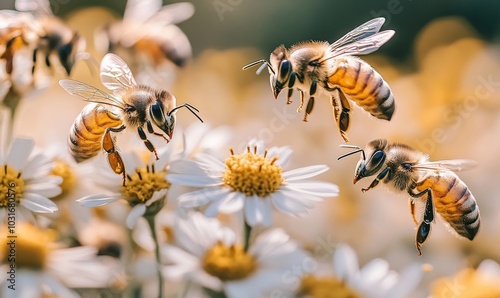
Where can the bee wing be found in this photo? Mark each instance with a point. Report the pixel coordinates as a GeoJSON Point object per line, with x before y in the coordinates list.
{"type": "Point", "coordinates": [455, 165]}
{"type": "Point", "coordinates": [362, 31]}
{"type": "Point", "coordinates": [141, 10]}
{"type": "Point", "coordinates": [41, 7]}
{"type": "Point", "coordinates": [90, 93]}
{"type": "Point", "coordinates": [173, 14]}
{"type": "Point", "coordinates": [115, 73]}
{"type": "Point", "coordinates": [362, 47]}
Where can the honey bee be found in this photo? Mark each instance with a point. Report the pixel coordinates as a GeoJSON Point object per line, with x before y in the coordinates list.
{"type": "Point", "coordinates": [148, 31]}
{"type": "Point", "coordinates": [131, 106]}
{"type": "Point", "coordinates": [313, 65]}
{"type": "Point", "coordinates": [35, 27]}
{"type": "Point", "coordinates": [433, 183]}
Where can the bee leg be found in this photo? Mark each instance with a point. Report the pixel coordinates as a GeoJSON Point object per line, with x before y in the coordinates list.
{"type": "Point", "coordinates": [148, 144]}
{"type": "Point", "coordinates": [151, 131]}
{"type": "Point", "coordinates": [114, 158]}
{"type": "Point", "coordinates": [289, 96]}
{"type": "Point", "coordinates": [412, 211]}
{"type": "Point", "coordinates": [377, 179]}
{"type": "Point", "coordinates": [341, 110]}
{"type": "Point", "coordinates": [424, 229]}
{"type": "Point", "coordinates": [310, 102]}
{"type": "Point", "coordinates": [301, 96]}
{"type": "Point", "coordinates": [291, 82]}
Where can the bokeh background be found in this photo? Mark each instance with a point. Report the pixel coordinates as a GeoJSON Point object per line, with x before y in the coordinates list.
{"type": "Point", "coordinates": [443, 65]}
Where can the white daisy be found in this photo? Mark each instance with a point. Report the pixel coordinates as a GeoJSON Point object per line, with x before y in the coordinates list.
{"type": "Point", "coordinates": [209, 255]}
{"type": "Point", "coordinates": [374, 280]}
{"type": "Point", "coordinates": [25, 181]}
{"type": "Point", "coordinates": [42, 269]}
{"type": "Point", "coordinates": [145, 190]}
{"type": "Point", "coordinates": [253, 181]}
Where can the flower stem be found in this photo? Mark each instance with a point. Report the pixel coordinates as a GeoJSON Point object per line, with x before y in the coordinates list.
{"type": "Point", "coordinates": [11, 101]}
{"type": "Point", "coordinates": [152, 227]}
{"type": "Point", "coordinates": [248, 231]}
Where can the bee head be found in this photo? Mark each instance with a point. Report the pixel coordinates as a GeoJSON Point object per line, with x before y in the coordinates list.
{"type": "Point", "coordinates": [279, 61]}
{"type": "Point", "coordinates": [68, 53]}
{"type": "Point", "coordinates": [163, 118]}
{"type": "Point", "coordinates": [280, 69]}
{"type": "Point", "coordinates": [372, 158]}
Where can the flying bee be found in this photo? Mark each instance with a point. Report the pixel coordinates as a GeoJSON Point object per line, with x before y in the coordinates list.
{"type": "Point", "coordinates": [131, 106]}
{"type": "Point", "coordinates": [314, 66]}
{"type": "Point", "coordinates": [433, 183]}
{"type": "Point", "coordinates": [56, 38]}
{"type": "Point", "coordinates": [34, 27]}
{"type": "Point", "coordinates": [148, 32]}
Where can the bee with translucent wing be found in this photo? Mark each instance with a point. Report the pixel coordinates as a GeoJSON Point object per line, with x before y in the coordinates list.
{"type": "Point", "coordinates": [55, 36]}
{"type": "Point", "coordinates": [314, 66]}
{"type": "Point", "coordinates": [434, 184]}
{"type": "Point", "coordinates": [131, 106]}
{"type": "Point", "coordinates": [149, 29]}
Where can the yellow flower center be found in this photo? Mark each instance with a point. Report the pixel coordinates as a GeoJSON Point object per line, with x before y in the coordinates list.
{"type": "Point", "coordinates": [326, 287]}
{"type": "Point", "coordinates": [29, 249]}
{"type": "Point", "coordinates": [143, 183]}
{"type": "Point", "coordinates": [63, 170]}
{"type": "Point", "coordinates": [252, 174]}
{"type": "Point", "coordinates": [11, 186]}
{"type": "Point", "coordinates": [228, 262]}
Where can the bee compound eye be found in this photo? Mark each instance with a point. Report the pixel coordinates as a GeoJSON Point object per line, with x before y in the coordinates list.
{"type": "Point", "coordinates": [285, 69]}
{"type": "Point", "coordinates": [378, 157]}
{"type": "Point", "coordinates": [157, 114]}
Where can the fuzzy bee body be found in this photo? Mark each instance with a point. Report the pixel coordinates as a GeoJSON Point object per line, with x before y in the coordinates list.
{"type": "Point", "coordinates": [335, 70]}
{"type": "Point", "coordinates": [433, 183]}
{"type": "Point", "coordinates": [363, 85]}
{"type": "Point", "coordinates": [87, 132]}
{"type": "Point", "coordinates": [453, 201]}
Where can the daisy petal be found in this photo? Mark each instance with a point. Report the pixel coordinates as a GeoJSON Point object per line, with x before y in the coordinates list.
{"type": "Point", "coordinates": [185, 167]}
{"type": "Point", "coordinates": [25, 277]}
{"type": "Point", "coordinates": [192, 180]}
{"type": "Point", "coordinates": [98, 200]}
{"type": "Point", "coordinates": [316, 188]}
{"type": "Point", "coordinates": [44, 189]}
{"type": "Point", "coordinates": [201, 197]}
{"type": "Point", "coordinates": [346, 263]}
{"type": "Point", "coordinates": [288, 206]}
{"type": "Point", "coordinates": [37, 167]}
{"type": "Point", "coordinates": [258, 211]}
{"type": "Point", "coordinates": [210, 162]}
{"type": "Point", "coordinates": [407, 283]}
{"type": "Point", "coordinates": [19, 152]}
{"type": "Point", "coordinates": [38, 203]}
{"type": "Point", "coordinates": [304, 173]}
{"type": "Point", "coordinates": [57, 288]}
{"type": "Point", "coordinates": [233, 202]}
{"type": "Point", "coordinates": [134, 215]}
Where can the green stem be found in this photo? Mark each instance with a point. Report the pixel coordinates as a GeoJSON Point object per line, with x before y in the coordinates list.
{"type": "Point", "coordinates": [152, 227]}
{"type": "Point", "coordinates": [248, 232]}
{"type": "Point", "coordinates": [11, 101]}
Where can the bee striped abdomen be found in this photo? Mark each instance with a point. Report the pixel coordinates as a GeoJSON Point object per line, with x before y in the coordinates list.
{"type": "Point", "coordinates": [454, 202]}
{"type": "Point", "coordinates": [364, 85]}
{"type": "Point", "coordinates": [88, 129]}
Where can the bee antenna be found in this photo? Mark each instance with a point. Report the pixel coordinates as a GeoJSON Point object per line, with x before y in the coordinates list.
{"type": "Point", "coordinates": [188, 106]}
{"type": "Point", "coordinates": [358, 149]}
{"type": "Point", "coordinates": [263, 63]}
